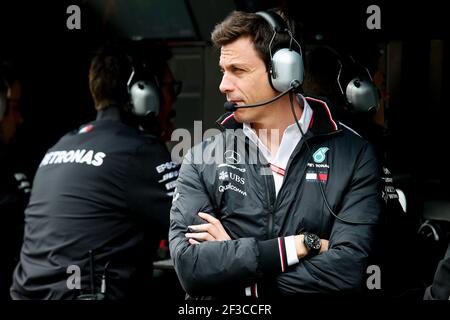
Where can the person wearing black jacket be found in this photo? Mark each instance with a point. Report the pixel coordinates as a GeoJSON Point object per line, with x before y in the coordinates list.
{"type": "Point", "coordinates": [14, 184]}
{"type": "Point", "coordinates": [328, 76]}
{"type": "Point", "coordinates": [440, 287]}
{"type": "Point", "coordinates": [101, 195]}
{"type": "Point", "coordinates": [248, 216]}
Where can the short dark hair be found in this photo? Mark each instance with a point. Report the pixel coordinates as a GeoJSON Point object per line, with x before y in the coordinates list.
{"type": "Point", "coordinates": [9, 75]}
{"type": "Point", "coordinates": [111, 68]}
{"type": "Point", "coordinates": [108, 75]}
{"type": "Point", "coordinates": [244, 24]}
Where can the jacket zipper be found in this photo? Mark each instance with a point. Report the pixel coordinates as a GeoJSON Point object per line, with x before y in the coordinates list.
{"type": "Point", "coordinates": [270, 194]}
{"type": "Point", "coordinates": [270, 198]}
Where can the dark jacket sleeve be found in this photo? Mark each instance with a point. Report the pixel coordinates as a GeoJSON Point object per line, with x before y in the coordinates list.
{"type": "Point", "coordinates": [151, 180]}
{"type": "Point", "coordinates": [343, 267]}
{"type": "Point", "coordinates": [209, 268]}
{"type": "Point", "coordinates": [440, 288]}
{"type": "Point", "coordinates": [14, 192]}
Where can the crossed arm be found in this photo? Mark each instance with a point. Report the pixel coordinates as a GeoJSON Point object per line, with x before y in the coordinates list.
{"type": "Point", "coordinates": [219, 262]}
{"type": "Point", "coordinates": [213, 230]}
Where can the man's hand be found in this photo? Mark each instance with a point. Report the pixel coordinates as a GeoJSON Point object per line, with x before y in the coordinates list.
{"type": "Point", "coordinates": [302, 251]}
{"type": "Point", "coordinates": [324, 246]}
{"type": "Point", "coordinates": [211, 231]}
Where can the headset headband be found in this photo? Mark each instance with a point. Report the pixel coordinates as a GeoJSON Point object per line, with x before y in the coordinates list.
{"type": "Point", "coordinates": [286, 65]}
{"type": "Point", "coordinates": [275, 20]}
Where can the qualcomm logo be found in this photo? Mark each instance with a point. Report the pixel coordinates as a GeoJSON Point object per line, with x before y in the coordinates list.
{"type": "Point", "coordinates": [319, 155]}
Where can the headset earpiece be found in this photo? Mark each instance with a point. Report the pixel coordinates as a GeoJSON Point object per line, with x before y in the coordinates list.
{"type": "Point", "coordinates": [286, 65]}
{"type": "Point", "coordinates": [362, 95]}
{"type": "Point", "coordinates": [143, 94]}
{"type": "Point", "coordinates": [144, 98]}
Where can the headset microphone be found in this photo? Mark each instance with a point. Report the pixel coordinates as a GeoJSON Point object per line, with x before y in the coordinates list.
{"type": "Point", "coordinates": [231, 106]}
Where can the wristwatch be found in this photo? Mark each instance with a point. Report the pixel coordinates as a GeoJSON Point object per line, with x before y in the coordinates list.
{"type": "Point", "coordinates": [312, 243]}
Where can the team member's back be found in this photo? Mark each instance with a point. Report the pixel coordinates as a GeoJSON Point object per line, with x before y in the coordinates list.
{"type": "Point", "coordinates": [101, 197]}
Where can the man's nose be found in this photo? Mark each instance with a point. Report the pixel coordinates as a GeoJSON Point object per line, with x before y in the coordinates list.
{"type": "Point", "coordinates": [226, 85]}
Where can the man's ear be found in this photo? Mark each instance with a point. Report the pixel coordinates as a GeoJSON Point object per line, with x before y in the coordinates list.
{"type": "Point", "coordinates": [8, 92]}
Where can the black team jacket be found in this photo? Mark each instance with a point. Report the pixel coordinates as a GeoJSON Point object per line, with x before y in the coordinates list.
{"type": "Point", "coordinates": [105, 188]}
{"type": "Point", "coordinates": [221, 176]}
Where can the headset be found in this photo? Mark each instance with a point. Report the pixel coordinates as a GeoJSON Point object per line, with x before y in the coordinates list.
{"type": "Point", "coordinates": [360, 94]}
{"type": "Point", "coordinates": [285, 68]}
{"type": "Point", "coordinates": [286, 65]}
{"type": "Point", "coordinates": [431, 230]}
{"type": "Point", "coordinates": [143, 93]}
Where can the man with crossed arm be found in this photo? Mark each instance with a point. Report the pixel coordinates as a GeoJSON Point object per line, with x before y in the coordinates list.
{"type": "Point", "coordinates": [263, 229]}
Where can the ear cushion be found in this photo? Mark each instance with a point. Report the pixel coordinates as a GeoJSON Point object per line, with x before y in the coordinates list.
{"type": "Point", "coordinates": [287, 66]}
{"type": "Point", "coordinates": [362, 95]}
{"type": "Point", "coordinates": [144, 98]}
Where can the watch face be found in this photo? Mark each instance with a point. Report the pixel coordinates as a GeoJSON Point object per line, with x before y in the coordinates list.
{"type": "Point", "coordinates": [316, 244]}
{"type": "Point", "coordinates": [312, 241]}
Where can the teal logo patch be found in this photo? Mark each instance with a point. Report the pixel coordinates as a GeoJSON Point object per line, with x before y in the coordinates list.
{"type": "Point", "coordinates": [319, 155]}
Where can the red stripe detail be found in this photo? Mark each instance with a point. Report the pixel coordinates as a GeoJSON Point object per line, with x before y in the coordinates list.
{"type": "Point", "coordinates": [254, 294]}
{"type": "Point", "coordinates": [280, 247]}
{"type": "Point", "coordinates": [277, 169]}
{"type": "Point", "coordinates": [278, 172]}
{"type": "Point", "coordinates": [312, 120]}
{"type": "Point", "coordinates": [227, 118]}
{"type": "Point", "coordinates": [323, 176]}
{"type": "Point", "coordinates": [326, 108]}
{"type": "Point", "coordinates": [163, 244]}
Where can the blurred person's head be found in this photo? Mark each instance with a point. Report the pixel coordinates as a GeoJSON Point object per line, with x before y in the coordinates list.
{"type": "Point", "coordinates": [342, 80]}
{"type": "Point", "coordinates": [108, 75]}
{"type": "Point", "coordinates": [322, 67]}
{"type": "Point", "coordinates": [153, 59]}
{"type": "Point", "coordinates": [10, 102]}
{"type": "Point", "coordinates": [139, 82]}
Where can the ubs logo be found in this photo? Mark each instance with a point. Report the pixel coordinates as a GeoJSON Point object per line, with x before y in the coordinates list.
{"type": "Point", "coordinates": [228, 176]}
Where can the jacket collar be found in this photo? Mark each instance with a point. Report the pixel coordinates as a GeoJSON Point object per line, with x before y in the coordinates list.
{"type": "Point", "coordinates": [111, 112]}
{"type": "Point", "coordinates": [322, 121]}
